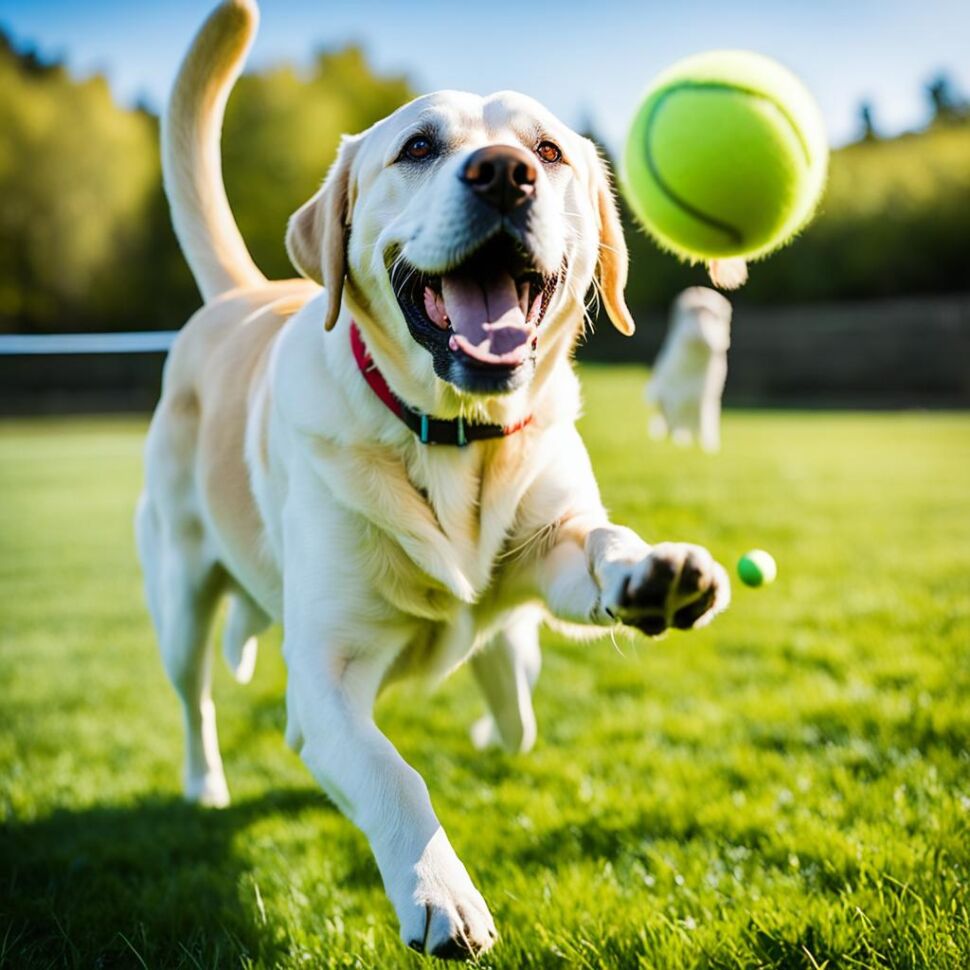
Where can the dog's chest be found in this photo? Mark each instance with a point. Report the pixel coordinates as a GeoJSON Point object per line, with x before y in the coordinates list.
{"type": "Point", "coordinates": [429, 524]}
{"type": "Point", "coordinates": [443, 547]}
{"type": "Point", "coordinates": [473, 497]}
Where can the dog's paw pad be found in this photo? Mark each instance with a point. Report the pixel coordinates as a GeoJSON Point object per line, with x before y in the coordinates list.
{"type": "Point", "coordinates": [677, 585]}
{"type": "Point", "coordinates": [687, 616]}
{"type": "Point", "coordinates": [644, 593]}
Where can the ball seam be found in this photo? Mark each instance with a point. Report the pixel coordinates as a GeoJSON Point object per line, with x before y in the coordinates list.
{"type": "Point", "coordinates": [732, 232]}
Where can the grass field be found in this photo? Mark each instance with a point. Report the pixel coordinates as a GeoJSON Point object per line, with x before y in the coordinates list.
{"type": "Point", "coordinates": [789, 788]}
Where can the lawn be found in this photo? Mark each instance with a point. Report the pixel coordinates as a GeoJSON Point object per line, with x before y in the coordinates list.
{"type": "Point", "coordinates": [788, 788]}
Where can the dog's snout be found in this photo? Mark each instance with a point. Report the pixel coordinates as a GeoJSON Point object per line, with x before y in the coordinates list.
{"type": "Point", "coordinates": [502, 176]}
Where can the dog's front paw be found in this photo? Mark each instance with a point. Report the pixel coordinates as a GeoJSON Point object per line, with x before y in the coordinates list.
{"type": "Point", "coordinates": [676, 585]}
{"type": "Point", "coordinates": [441, 911]}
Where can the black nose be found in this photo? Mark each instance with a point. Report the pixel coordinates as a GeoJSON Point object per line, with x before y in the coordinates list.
{"type": "Point", "coordinates": [502, 176]}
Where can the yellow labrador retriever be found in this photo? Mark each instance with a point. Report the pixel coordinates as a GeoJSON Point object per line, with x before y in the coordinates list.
{"type": "Point", "coordinates": [383, 456]}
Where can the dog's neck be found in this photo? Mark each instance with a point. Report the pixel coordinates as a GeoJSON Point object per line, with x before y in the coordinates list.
{"type": "Point", "coordinates": [430, 430]}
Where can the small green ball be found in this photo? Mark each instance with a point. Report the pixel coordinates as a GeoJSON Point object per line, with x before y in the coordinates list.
{"type": "Point", "coordinates": [726, 156]}
{"type": "Point", "coordinates": [757, 568]}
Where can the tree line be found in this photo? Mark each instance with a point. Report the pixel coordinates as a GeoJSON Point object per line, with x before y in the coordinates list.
{"type": "Point", "coordinates": [85, 237]}
{"type": "Point", "coordinates": [86, 242]}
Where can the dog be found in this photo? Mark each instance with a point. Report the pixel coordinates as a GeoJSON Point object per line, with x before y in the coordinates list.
{"type": "Point", "coordinates": [689, 375]}
{"type": "Point", "coordinates": [382, 455]}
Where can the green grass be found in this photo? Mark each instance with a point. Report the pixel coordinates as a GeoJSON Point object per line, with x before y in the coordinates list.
{"type": "Point", "coordinates": [789, 788]}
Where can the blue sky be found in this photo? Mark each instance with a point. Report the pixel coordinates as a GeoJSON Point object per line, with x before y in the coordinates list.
{"type": "Point", "coordinates": [584, 60]}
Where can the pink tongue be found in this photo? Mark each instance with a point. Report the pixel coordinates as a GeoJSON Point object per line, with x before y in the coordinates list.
{"type": "Point", "coordinates": [487, 314]}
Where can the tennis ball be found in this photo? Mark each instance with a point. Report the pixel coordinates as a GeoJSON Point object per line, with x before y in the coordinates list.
{"type": "Point", "coordinates": [757, 568]}
{"type": "Point", "coordinates": [726, 156]}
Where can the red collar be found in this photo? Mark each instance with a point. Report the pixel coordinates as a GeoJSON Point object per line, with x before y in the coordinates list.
{"type": "Point", "coordinates": [430, 431]}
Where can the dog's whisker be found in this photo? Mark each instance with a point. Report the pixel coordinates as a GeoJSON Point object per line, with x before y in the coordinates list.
{"type": "Point", "coordinates": [534, 540]}
{"type": "Point", "coordinates": [609, 248]}
{"type": "Point", "coordinates": [616, 646]}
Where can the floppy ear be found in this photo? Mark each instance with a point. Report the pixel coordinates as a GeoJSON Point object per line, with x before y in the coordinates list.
{"type": "Point", "coordinates": [316, 237]}
{"type": "Point", "coordinates": [613, 258]}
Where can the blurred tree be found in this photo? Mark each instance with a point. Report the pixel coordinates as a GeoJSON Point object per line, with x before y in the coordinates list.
{"type": "Point", "coordinates": [85, 236]}
{"type": "Point", "coordinates": [281, 133]}
{"type": "Point", "coordinates": [893, 222]}
{"type": "Point", "coordinates": [946, 103]}
{"type": "Point", "coordinates": [866, 123]}
{"type": "Point", "coordinates": [75, 174]}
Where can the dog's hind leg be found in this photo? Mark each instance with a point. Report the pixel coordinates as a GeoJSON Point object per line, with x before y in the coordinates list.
{"type": "Point", "coordinates": [244, 622]}
{"type": "Point", "coordinates": [184, 586]}
{"type": "Point", "coordinates": [506, 671]}
{"type": "Point", "coordinates": [191, 597]}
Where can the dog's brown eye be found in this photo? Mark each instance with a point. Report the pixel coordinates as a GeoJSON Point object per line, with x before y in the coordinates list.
{"type": "Point", "coordinates": [549, 152]}
{"type": "Point", "coordinates": [418, 148]}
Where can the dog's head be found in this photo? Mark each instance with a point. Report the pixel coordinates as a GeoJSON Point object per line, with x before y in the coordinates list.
{"type": "Point", "coordinates": [463, 234]}
{"type": "Point", "coordinates": [701, 317]}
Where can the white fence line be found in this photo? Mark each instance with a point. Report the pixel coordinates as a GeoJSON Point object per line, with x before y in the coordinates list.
{"type": "Point", "coordinates": [137, 342]}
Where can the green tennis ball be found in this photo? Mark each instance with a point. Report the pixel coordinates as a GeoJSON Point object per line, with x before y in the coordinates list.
{"type": "Point", "coordinates": [726, 156]}
{"type": "Point", "coordinates": [757, 568]}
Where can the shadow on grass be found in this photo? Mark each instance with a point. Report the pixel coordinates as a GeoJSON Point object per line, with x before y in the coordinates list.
{"type": "Point", "coordinates": [155, 883]}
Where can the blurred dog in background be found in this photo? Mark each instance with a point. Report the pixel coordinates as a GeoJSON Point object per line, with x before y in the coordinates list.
{"type": "Point", "coordinates": [689, 375]}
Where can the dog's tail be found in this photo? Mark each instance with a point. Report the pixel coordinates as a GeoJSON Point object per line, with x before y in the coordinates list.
{"type": "Point", "coordinates": [191, 166]}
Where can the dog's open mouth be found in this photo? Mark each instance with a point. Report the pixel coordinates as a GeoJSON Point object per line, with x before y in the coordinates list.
{"type": "Point", "coordinates": [485, 313]}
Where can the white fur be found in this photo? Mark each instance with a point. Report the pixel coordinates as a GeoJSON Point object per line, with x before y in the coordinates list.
{"type": "Point", "coordinates": [275, 475]}
{"type": "Point", "coordinates": [688, 378]}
